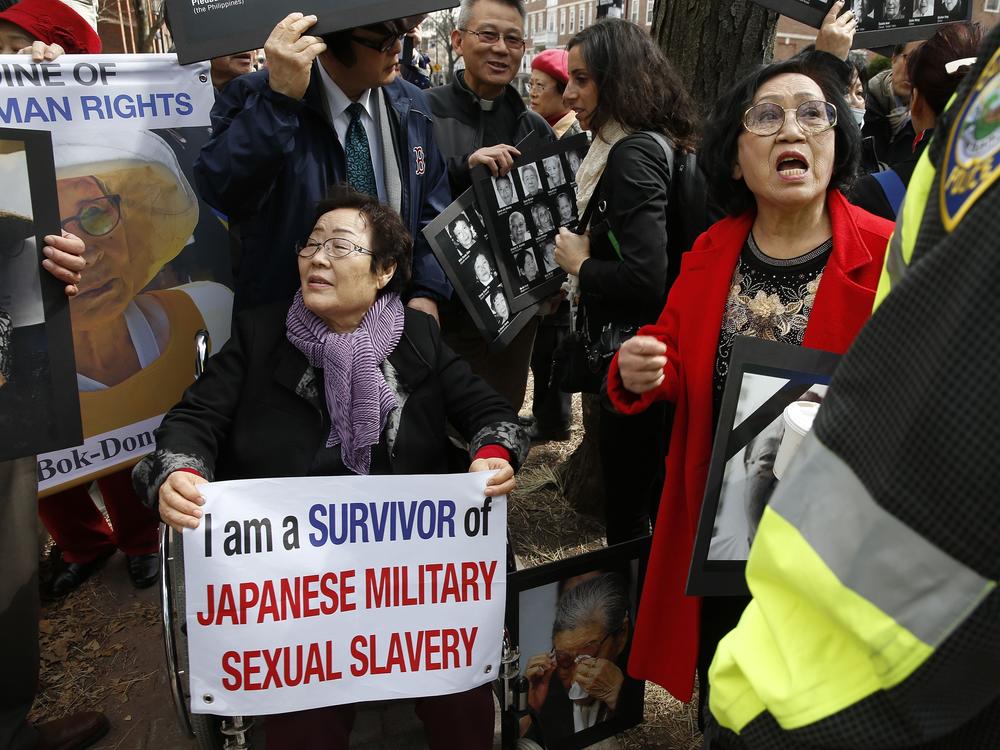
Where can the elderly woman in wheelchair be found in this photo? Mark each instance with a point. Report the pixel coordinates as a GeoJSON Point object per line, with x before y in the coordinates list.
{"type": "Point", "coordinates": [344, 381]}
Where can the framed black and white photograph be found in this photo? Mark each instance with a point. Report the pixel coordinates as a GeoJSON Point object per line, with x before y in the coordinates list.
{"type": "Point", "coordinates": [572, 620]}
{"type": "Point", "coordinates": [548, 255]}
{"type": "Point", "coordinates": [773, 393]}
{"type": "Point", "coordinates": [881, 23]}
{"type": "Point", "coordinates": [565, 208]}
{"type": "Point", "coordinates": [524, 210]}
{"type": "Point", "coordinates": [574, 158]}
{"type": "Point", "coordinates": [503, 187]}
{"type": "Point", "coordinates": [530, 181]}
{"type": "Point", "coordinates": [541, 217]}
{"type": "Point", "coordinates": [39, 402]}
{"type": "Point", "coordinates": [517, 228]}
{"type": "Point", "coordinates": [555, 176]}
{"type": "Point", "coordinates": [460, 241]}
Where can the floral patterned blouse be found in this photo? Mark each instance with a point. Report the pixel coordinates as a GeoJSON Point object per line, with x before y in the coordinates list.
{"type": "Point", "coordinates": [769, 299]}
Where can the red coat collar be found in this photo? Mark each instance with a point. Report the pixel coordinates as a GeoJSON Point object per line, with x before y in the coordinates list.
{"type": "Point", "coordinates": [849, 249]}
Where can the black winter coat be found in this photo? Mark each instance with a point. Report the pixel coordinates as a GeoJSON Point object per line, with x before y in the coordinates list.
{"type": "Point", "coordinates": [460, 124]}
{"type": "Point", "coordinates": [625, 278]}
{"type": "Point", "coordinates": [259, 411]}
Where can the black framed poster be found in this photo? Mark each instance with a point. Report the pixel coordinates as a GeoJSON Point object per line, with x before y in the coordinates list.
{"type": "Point", "coordinates": [525, 209]}
{"type": "Point", "coordinates": [773, 392]}
{"type": "Point", "coordinates": [569, 619]}
{"type": "Point", "coordinates": [460, 241]}
{"type": "Point", "coordinates": [203, 29]}
{"type": "Point", "coordinates": [39, 400]}
{"type": "Point", "coordinates": [881, 23]}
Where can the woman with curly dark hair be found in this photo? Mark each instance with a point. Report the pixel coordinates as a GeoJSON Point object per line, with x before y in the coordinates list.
{"type": "Point", "coordinates": [626, 93]}
{"type": "Point", "coordinates": [792, 262]}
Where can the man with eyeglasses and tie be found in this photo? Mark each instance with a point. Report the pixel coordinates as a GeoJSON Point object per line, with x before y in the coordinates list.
{"type": "Point", "coordinates": [479, 119]}
{"type": "Point", "coordinates": [327, 110]}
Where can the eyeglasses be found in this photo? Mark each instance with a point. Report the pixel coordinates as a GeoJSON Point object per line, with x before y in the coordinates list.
{"type": "Point", "coordinates": [566, 659]}
{"type": "Point", "coordinates": [511, 41]}
{"type": "Point", "coordinates": [536, 87]}
{"type": "Point", "coordinates": [334, 247]}
{"type": "Point", "coordinates": [98, 217]}
{"type": "Point", "coordinates": [382, 45]}
{"type": "Point", "coordinates": [812, 117]}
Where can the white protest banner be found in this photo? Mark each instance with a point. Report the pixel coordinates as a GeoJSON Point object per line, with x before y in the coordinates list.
{"type": "Point", "coordinates": [126, 130]}
{"type": "Point", "coordinates": [318, 591]}
{"type": "Point", "coordinates": [108, 91]}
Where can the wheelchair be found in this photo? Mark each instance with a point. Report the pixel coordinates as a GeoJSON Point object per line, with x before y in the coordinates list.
{"type": "Point", "coordinates": [212, 732]}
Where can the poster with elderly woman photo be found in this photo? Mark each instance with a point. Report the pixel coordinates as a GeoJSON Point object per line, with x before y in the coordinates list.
{"type": "Point", "coordinates": [572, 622]}
{"type": "Point", "coordinates": [39, 408]}
{"type": "Point", "coordinates": [158, 266]}
{"type": "Point", "coordinates": [459, 240]}
{"type": "Point", "coordinates": [773, 392]}
{"type": "Point", "coordinates": [879, 23]}
{"type": "Point", "coordinates": [525, 208]}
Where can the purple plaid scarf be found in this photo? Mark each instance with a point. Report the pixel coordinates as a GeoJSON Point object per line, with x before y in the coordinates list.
{"type": "Point", "coordinates": [357, 396]}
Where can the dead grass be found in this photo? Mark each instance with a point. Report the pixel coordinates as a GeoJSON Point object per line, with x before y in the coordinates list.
{"type": "Point", "coordinates": [84, 657]}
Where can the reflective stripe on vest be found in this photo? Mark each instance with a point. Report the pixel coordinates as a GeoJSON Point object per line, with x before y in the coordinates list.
{"type": "Point", "coordinates": [908, 220]}
{"type": "Point", "coordinates": [848, 601]}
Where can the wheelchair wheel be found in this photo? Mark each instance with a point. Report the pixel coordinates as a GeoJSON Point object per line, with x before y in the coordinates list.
{"type": "Point", "coordinates": [209, 731]}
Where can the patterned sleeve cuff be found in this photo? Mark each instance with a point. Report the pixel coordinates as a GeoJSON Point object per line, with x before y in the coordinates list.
{"type": "Point", "coordinates": [153, 470]}
{"type": "Point", "coordinates": [509, 435]}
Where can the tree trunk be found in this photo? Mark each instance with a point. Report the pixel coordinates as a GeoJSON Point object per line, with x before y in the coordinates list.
{"type": "Point", "coordinates": [713, 43]}
{"type": "Point", "coordinates": [582, 483]}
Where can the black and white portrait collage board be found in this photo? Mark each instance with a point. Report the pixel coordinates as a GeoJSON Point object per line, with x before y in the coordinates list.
{"type": "Point", "coordinates": [525, 209]}
{"type": "Point", "coordinates": [461, 244]}
{"type": "Point", "coordinates": [881, 23]}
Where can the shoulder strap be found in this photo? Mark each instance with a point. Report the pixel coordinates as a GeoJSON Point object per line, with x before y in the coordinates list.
{"type": "Point", "coordinates": [893, 188]}
{"type": "Point", "coordinates": [668, 154]}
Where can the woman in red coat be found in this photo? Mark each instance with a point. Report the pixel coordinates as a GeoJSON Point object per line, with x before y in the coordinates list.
{"type": "Point", "coordinates": [793, 262]}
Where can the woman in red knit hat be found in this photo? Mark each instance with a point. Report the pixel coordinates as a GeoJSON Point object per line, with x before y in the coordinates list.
{"type": "Point", "coordinates": [549, 77]}
{"type": "Point", "coordinates": [61, 29]}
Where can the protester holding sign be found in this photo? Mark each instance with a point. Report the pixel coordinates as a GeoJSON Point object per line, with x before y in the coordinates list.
{"type": "Point", "coordinates": [347, 381]}
{"type": "Point", "coordinates": [792, 262]}
{"type": "Point", "coordinates": [324, 111]}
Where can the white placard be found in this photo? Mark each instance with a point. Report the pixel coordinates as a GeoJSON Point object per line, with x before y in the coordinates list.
{"type": "Point", "coordinates": [109, 92]}
{"type": "Point", "coordinates": [319, 591]}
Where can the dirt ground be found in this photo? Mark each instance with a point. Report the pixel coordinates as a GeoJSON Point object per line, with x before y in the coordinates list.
{"type": "Point", "coordinates": [101, 646]}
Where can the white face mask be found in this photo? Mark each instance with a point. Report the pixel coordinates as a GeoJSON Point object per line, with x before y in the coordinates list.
{"type": "Point", "coordinates": [859, 117]}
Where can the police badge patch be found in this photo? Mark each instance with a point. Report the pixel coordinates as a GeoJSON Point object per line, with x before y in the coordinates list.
{"type": "Point", "coordinates": [972, 159]}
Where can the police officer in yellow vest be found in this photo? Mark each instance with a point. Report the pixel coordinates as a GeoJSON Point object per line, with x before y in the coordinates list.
{"type": "Point", "coordinates": [875, 621]}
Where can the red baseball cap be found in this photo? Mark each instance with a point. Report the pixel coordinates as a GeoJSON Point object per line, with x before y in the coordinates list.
{"type": "Point", "coordinates": [54, 22]}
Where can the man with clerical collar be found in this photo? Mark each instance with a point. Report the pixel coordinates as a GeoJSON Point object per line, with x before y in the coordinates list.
{"type": "Point", "coordinates": [327, 110]}
{"type": "Point", "coordinates": [479, 118]}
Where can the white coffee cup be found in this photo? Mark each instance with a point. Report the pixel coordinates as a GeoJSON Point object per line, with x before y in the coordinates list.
{"type": "Point", "coordinates": [798, 417]}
